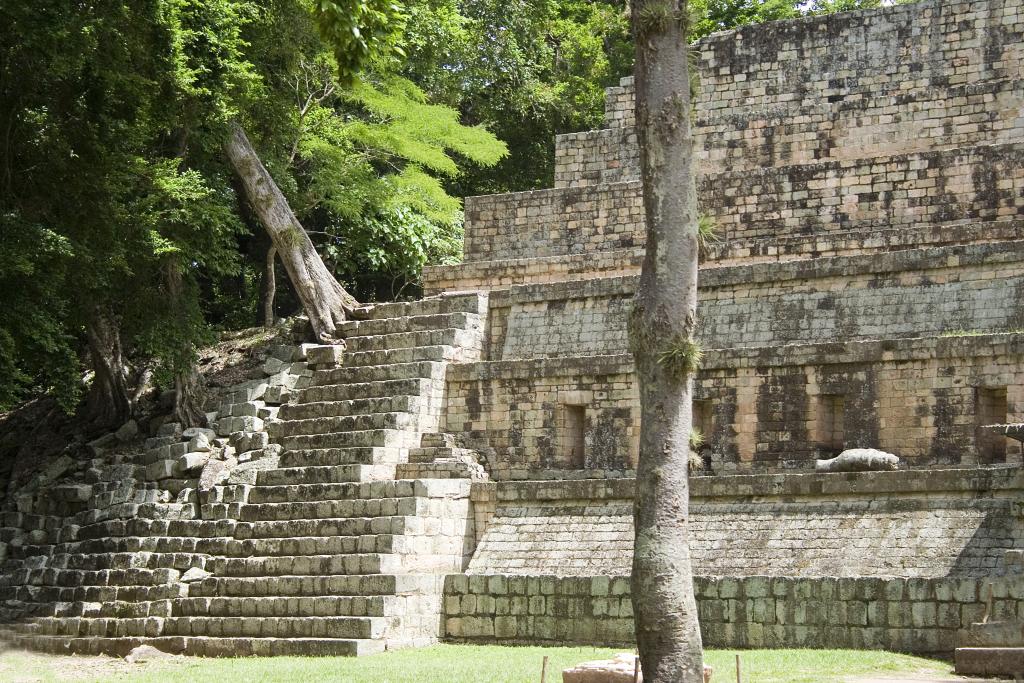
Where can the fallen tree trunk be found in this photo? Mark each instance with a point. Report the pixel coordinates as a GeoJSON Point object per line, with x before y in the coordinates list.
{"type": "Point", "coordinates": [325, 301]}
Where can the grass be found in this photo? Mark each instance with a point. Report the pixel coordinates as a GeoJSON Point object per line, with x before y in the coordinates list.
{"type": "Point", "coordinates": [456, 664]}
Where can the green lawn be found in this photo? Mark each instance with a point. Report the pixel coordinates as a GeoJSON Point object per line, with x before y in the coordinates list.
{"type": "Point", "coordinates": [454, 664]}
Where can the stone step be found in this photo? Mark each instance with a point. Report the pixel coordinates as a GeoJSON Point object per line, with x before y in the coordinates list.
{"type": "Point", "coordinates": [312, 586]}
{"type": "Point", "coordinates": [410, 323]}
{"type": "Point", "coordinates": [325, 425]}
{"type": "Point", "coordinates": [71, 578]}
{"type": "Point", "coordinates": [414, 354]}
{"type": "Point", "coordinates": [469, 339]}
{"type": "Point", "coordinates": [307, 565]}
{"type": "Point", "coordinates": [191, 528]}
{"type": "Point", "coordinates": [383, 438]}
{"type": "Point", "coordinates": [204, 646]}
{"type": "Point", "coordinates": [317, 457]}
{"type": "Point", "coordinates": [97, 594]}
{"type": "Point", "coordinates": [433, 453]}
{"type": "Point", "coordinates": [348, 526]}
{"type": "Point", "coordinates": [283, 627]}
{"type": "Point", "coordinates": [126, 560]}
{"type": "Point", "coordinates": [441, 470]}
{"type": "Point", "coordinates": [323, 509]}
{"type": "Point", "coordinates": [344, 491]}
{"type": "Point", "coordinates": [313, 545]}
{"type": "Point", "coordinates": [362, 406]}
{"type": "Point", "coordinates": [99, 627]}
{"type": "Point", "coordinates": [324, 475]}
{"type": "Point", "coordinates": [365, 390]}
{"type": "Point", "coordinates": [380, 373]}
{"type": "Point", "coordinates": [462, 302]}
{"type": "Point", "coordinates": [321, 606]}
{"type": "Point", "coordinates": [115, 609]}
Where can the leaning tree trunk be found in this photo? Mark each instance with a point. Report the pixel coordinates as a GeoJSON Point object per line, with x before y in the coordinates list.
{"type": "Point", "coordinates": [325, 301]}
{"type": "Point", "coordinates": [107, 404]}
{"type": "Point", "coordinates": [661, 331]}
{"type": "Point", "coordinates": [188, 402]}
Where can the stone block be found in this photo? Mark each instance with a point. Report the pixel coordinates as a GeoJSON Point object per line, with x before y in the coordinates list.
{"type": "Point", "coordinates": [325, 355]}
{"type": "Point", "coordinates": [193, 462]}
{"type": "Point", "coordinates": [161, 469]}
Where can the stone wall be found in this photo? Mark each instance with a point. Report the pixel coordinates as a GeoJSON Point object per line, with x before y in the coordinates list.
{"type": "Point", "coordinates": [498, 275]}
{"type": "Point", "coordinates": [918, 398]}
{"type": "Point", "coordinates": [833, 196]}
{"type": "Point", "coordinates": [910, 293]}
{"type": "Point", "coordinates": [906, 615]}
{"type": "Point", "coordinates": [924, 524]}
{"type": "Point", "coordinates": [936, 75]}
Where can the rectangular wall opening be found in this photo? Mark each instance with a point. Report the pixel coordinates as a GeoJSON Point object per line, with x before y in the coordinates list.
{"type": "Point", "coordinates": [703, 418]}
{"type": "Point", "coordinates": [831, 417]}
{"type": "Point", "coordinates": [574, 435]}
{"type": "Point", "coordinates": [991, 409]}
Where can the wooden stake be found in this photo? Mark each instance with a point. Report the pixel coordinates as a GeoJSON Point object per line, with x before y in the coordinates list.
{"type": "Point", "coordinates": [739, 676]}
{"type": "Point", "coordinates": [544, 670]}
{"type": "Point", "coordinates": [636, 670]}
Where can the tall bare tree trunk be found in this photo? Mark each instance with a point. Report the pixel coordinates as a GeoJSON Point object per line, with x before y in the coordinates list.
{"type": "Point", "coordinates": [269, 288]}
{"type": "Point", "coordinates": [188, 388]}
{"type": "Point", "coordinates": [107, 404]}
{"type": "Point", "coordinates": [325, 301]}
{"type": "Point", "coordinates": [661, 331]}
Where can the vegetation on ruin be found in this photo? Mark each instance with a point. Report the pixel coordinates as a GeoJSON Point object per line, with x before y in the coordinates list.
{"type": "Point", "coordinates": [463, 664]}
{"type": "Point", "coordinates": [125, 242]}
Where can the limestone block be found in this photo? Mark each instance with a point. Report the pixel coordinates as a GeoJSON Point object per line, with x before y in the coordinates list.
{"type": "Point", "coordinates": [193, 432]}
{"type": "Point", "coordinates": [161, 469]}
{"type": "Point", "coordinates": [859, 460]}
{"type": "Point", "coordinates": [620, 669]}
{"type": "Point", "coordinates": [214, 473]}
{"type": "Point", "coordinates": [272, 366]}
{"type": "Point", "coordinates": [192, 462]}
{"type": "Point", "coordinates": [147, 653]}
{"type": "Point", "coordinates": [325, 355]}
{"type": "Point", "coordinates": [194, 574]}
{"type": "Point", "coordinates": [199, 444]}
{"type": "Point", "coordinates": [268, 413]}
{"type": "Point", "coordinates": [277, 395]}
{"type": "Point", "coordinates": [245, 473]}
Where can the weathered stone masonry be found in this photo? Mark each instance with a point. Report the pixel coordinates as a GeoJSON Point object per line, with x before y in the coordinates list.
{"type": "Point", "coordinates": [866, 175]}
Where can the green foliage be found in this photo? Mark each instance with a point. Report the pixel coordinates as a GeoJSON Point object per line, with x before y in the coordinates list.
{"type": "Point", "coordinates": [36, 349]}
{"type": "Point", "coordinates": [696, 439]}
{"type": "Point", "coordinates": [367, 175]}
{"type": "Point", "coordinates": [682, 357]}
{"type": "Point", "coordinates": [359, 31]}
{"type": "Point", "coordinates": [708, 235]}
{"type": "Point", "coordinates": [721, 15]}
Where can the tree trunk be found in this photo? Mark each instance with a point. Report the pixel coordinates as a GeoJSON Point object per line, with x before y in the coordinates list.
{"type": "Point", "coordinates": [188, 408]}
{"type": "Point", "coordinates": [325, 301]}
{"type": "Point", "coordinates": [661, 331]}
{"type": "Point", "coordinates": [107, 404]}
{"type": "Point", "coordinates": [269, 288]}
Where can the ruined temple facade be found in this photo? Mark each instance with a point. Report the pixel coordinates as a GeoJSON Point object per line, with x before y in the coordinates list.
{"type": "Point", "coordinates": [464, 470]}
{"type": "Point", "coordinates": [866, 176]}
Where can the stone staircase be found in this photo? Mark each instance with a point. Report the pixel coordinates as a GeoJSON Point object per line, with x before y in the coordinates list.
{"type": "Point", "coordinates": [339, 549]}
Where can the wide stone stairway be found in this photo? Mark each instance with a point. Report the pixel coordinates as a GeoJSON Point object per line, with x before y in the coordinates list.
{"type": "Point", "coordinates": [340, 549]}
